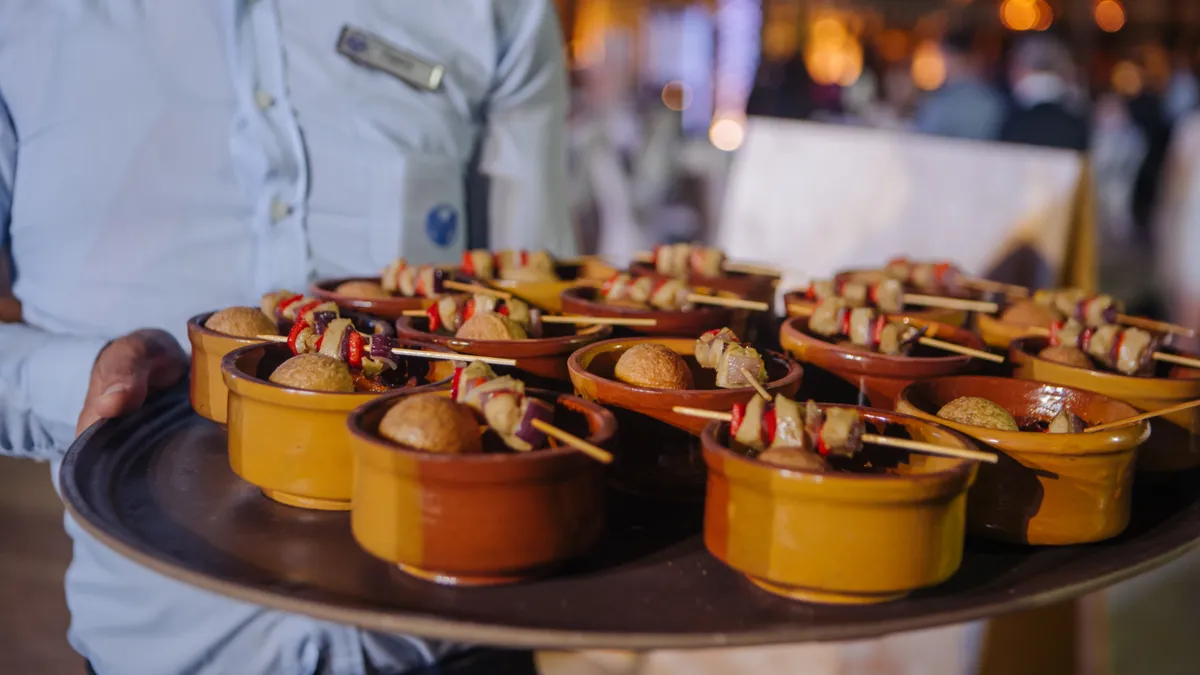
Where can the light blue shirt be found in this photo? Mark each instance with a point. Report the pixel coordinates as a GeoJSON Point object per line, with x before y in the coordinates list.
{"type": "Point", "coordinates": [160, 158]}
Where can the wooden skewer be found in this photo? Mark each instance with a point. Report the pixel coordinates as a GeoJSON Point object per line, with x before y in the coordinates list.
{"type": "Point", "coordinates": [996, 286]}
{"type": "Point", "coordinates": [960, 349]}
{"type": "Point", "coordinates": [1155, 326]}
{"type": "Point", "coordinates": [873, 439]}
{"type": "Point", "coordinates": [475, 288]}
{"type": "Point", "coordinates": [1177, 360]}
{"type": "Point", "coordinates": [600, 320]}
{"type": "Point", "coordinates": [443, 356]}
{"type": "Point", "coordinates": [950, 303]}
{"type": "Point", "coordinates": [596, 453]}
{"type": "Point", "coordinates": [756, 384]}
{"type": "Point", "coordinates": [1144, 416]}
{"type": "Point", "coordinates": [736, 303]}
{"type": "Point", "coordinates": [930, 448]}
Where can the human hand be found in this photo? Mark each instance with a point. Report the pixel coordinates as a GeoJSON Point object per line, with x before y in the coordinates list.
{"type": "Point", "coordinates": [127, 370]}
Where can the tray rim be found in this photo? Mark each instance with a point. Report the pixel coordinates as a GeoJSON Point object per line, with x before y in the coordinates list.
{"type": "Point", "coordinates": [175, 403]}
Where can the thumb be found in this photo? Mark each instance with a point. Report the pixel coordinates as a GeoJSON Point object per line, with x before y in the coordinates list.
{"type": "Point", "coordinates": [119, 383]}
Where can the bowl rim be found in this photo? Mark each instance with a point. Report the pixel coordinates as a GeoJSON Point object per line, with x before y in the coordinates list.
{"type": "Point", "coordinates": [1020, 345]}
{"type": "Point", "coordinates": [195, 325]}
{"type": "Point", "coordinates": [583, 337]}
{"type": "Point", "coordinates": [1114, 441]}
{"type": "Point", "coordinates": [230, 370]}
{"type": "Point", "coordinates": [865, 359]}
{"type": "Point", "coordinates": [927, 314]}
{"type": "Point", "coordinates": [956, 470]}
{"type": "Point", "coordinates": [575, 365]}
{"type": "Point", "coordinates": [605, 432]}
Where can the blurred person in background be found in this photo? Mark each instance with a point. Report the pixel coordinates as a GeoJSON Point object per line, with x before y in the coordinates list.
{"type": "Point", "coordinates": [1117, 151]}
{"type": "Point", "coordinates": [782, 89]}
{"type": "Point", "coordinates": [1183, 91]}
{"type": "Point", "coordinates": [966, 105]}
{"type": "Point", "coordinates": [1046, 102]}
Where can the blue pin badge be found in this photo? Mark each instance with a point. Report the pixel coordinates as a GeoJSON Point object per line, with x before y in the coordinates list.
{"type": "Point", "coordinates": [441, 224]}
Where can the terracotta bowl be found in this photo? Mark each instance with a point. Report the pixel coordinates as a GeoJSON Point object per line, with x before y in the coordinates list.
{"type": "Point", "coordinates": [485, 519]}
{"type": "Point", "coordinates": [690, 323]}
{"type": "Point", "coordinates": [787, 530]}
{"type": "Point", "coordinates": [544, 357]}
{"type": "Point", "coordinates": [878, 376]}
{"type": "Point", "coordinates": [1173, 445]}
{"type": "Point", "coordinates": [1000, 334]}
{"type": "Point", "coordinates": [1054, 489]}
{"type": "Point", "coordinates": [291, 443]}
{"type": "Point", "coordinates": [952, 317]}
{"type": "Point", "coordinates": [384, 308]}
{"type": "Point", "coordinates": [209, 394]}
{"type": "Point", "coordinates": [750, 286]}
{"type": "Point", "coordinates": [592, 374]}
{"type": "Point", "coordinates": [547, 295]}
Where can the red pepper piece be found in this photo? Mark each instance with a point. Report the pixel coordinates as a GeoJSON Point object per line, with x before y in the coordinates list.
{"type": "Point", "coordinates": [524, 257]}
{"type": "Point", "coordinates": [1085, 338]}
{"type": "Point", "coordinates": [469, 309]}
{"type": "Point", "coordinates": [739, 414]}
{"type": "Point", "coordinates": [295, 333]}
{"type": "Point", "coordinates": [811, 292]}
{"type": "Point", "coordinates": [1116, 348]}
{"type": "Point", "coordinates": [1055, 338]}
{"type": "Point", "coordinates": [844, 321]}
{"type": "Point", "coordinates": [767, 433]}
{"type": "Point", "coordinates": [455, 382]}
{"type": "Point", "coordinates": [468, 263]}
{"type": "Point", "coordinates": [354, 349]}
{"type": "Point", "coordinates": [303, 309]}
{"type": "Point", "coordinates": [434, 317]}
{"type": "Point", "coordinates": [320, 340]}
{"type": "Point", "coordinates": [877, 331]}
{"type": "Point", "coordinates": [873, 294]}
{"type": "Point", "coordinates": [606, 289]}
{"type": "Point", "coordinates": [822, 449]}
{"type": "Point", "coordinates": [940, 270]}
{"type": "Point", "coordinates": [502, 308]}
{"type": "Point", "coordinates": [287, 302]}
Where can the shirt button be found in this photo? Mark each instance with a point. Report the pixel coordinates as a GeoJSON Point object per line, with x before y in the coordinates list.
{"type": "Point", "coordinates": [279, 210]}
{"type": "Point", "coordinates": [263, 99]}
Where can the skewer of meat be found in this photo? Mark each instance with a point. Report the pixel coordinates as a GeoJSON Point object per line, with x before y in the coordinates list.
{"type": "Point", "coordinates": [944, 278]}
{"type": "Point", "coordinates": [828, 431]}
{"type": "Point", "coordinates": [1099, 309]}
{"type": "Point", "coordinates": [283, 307]}
{"type": "Point", "coordinates": [665, 294]}
{"type": "Point", "coordinates": [522, 422]}
{"type": "Point", "coordinates": [307, 337]}
{"type": "Point", "coordinates": [450, 312]}
{"type": "Point", "coordinates": [889, 296]}
{"type": "Point", "coordinates": [737, 365]}
{"type": "Point", "coordinates": [485, 265]}
{"type": "Point", "coordinates": [871, 330]}
{"type": "Point", "coordinates": [426, 281]}
{"type": "Point", "coordinates": [1134, 346]}
{"type": "Point", "coordinates": [682, 260]}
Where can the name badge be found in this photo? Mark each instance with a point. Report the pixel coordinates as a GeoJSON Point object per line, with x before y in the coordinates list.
{"type": "Point", "coordinates": [376, 53]}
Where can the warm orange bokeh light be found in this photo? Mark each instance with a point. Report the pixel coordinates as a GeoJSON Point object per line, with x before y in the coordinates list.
{"type": "Point", "coordinates": [892, 45]}
{"type": "Point", "coordinates": [1020, 14]}
{"type": "Point", "coordinates": [928, 66]}
{"type": "Point", "coordinates": [727, 133]}
{"type": "Point", "coordinates": [1127, 79]}
{"type": "Point", "coordinates": [1045, 15]}
{"type": "Point", "coordinates": [676, 95]}
{"type": "Point", "coordinates": [833, 54]}
{"type": "Point", "coordinates": [1109, 15]}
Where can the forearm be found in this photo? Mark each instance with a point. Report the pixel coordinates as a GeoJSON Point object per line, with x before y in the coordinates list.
{"type": "Point", "coordinates": [43, 382]}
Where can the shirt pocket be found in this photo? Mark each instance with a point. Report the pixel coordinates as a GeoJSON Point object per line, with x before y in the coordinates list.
{"type": "Point", "coordinates": [368, 208]}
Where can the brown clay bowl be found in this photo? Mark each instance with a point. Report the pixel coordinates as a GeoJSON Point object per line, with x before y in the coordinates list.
{"type": "Point", "coordinates": [1047, 489]}
{"type": "Point", "coordinates": [484, 519]}
{"type": "Point", "coordinates": [759, 287]}
{"type": "Point", "coordinates": [544, 357]}
{"type": "Point", "coordinates": [547, 294]}
{"type": "Point", "coordinates": [691, 323]}
{"type": "Point", "coordinates": [878, 376]}
{"type": "Point", "coordinates": [659, 456]}
{"type": "Point", "coordinates": [384, 308]}
{"type": "Point", "coordinates": [291, 443]}
{"type": "Point", "coordinates": [1173, 445]}
{"type": "Point", "coordinates": [209, 394]}
{"type": "Point", "coordinates": [592, 374]}
{"type": "Point", "coordinates": [952, 317]}
{"type": "Point", "coordinates": [840, 538]}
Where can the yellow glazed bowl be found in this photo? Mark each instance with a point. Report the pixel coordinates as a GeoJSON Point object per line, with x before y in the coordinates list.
{"type": "Point", "coordinates": [999, 334]}
{"type": "Point", "coordinates": [291, 443]}
{"type": "Point", "coordinates": [546, 295]}
{"type": "Point", "coordinates": [482, 519]}
{"type": "Point", "coordinates": [1047, 489]}
{"type": "Point", "coordinates": [1173, 445]}
{"type": "Point", "coordinates": [839, 538]}
{"type": "Point", "coordinates": [209, 394]}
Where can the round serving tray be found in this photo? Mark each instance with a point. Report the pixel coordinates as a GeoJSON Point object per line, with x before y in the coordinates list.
{"type": "Point", "coordinates": [157, 487]}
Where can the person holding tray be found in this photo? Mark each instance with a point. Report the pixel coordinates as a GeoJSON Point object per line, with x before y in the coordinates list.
{"type": "Point", "coordinates": [162, 159]}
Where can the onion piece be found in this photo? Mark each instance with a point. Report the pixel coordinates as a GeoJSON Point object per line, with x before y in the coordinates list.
{"type": "Point", "coordinates": [533, 409]}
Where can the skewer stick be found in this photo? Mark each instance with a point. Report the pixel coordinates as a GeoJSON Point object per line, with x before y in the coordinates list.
{"type": "Point", "coordinates": [960, 349]}
{"type": "Point", "coordinates": [736, 303]}
{"type": "Point", "coordinates": [443, 356]}
{"type": "Point", "coordinates": [997, 287]}
{"type": "Point", "coordinates": [756, 384]}
{"type": "Point", "coordinates": [477, 289]}
{"type": "Point", "coordinates": [1177, 360]}
{"type": "Point", "coordinates": [950, 303]}
{"type": "Point", "coordinates": [596, 453]}
{"type": "Point", "coordinates": [873, 439]}
{"type": "Point", "coordinates": [1155, 326]}
{"type": "Point", "coordinates": [930, 448]}
{"type": "Point", "coordinates": [1144, 416]}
